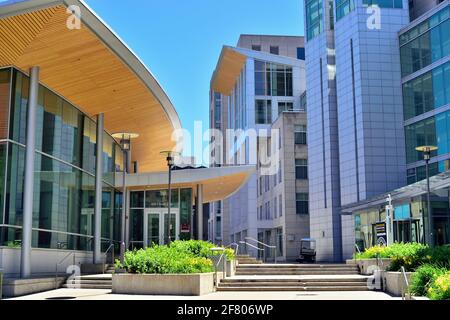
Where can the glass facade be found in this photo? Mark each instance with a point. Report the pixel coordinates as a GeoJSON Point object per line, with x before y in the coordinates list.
{"type": "Point", "coordinates": [432, 131]}
{"type": "Point", "coordinates": [384, 3]}
{"type": "Point", "coordinates": [63, 209]}
{"type": "Point", "coordinates": [302, 203]}
{"type": "Point", "coordinates": [344, 7]}
{"type": "Point", "coordinates": [426, 43]}
{"type": "Point", "coordinates": [273, 79]}
{"type": "Point", "coordinates": [150, 202]}
{"type": "Point", "coordinates": [410, 220]}
{"type": "Point", "coordinates": [263, 111]}
{"type": "Point", "coordinates": [314, 18]}
{"type": "Point", "coordinates": [427, 92]}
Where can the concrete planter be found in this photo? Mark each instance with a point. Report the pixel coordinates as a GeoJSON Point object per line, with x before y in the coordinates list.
{"type": "Point", "coordinates": [367, 266]}
{"type": "Point", "coordinates": [231, 268]}
{"type": "Point", "coordinates": [394, 282]}
{"type": "Point", "coordinates": [196, 284]}
{"type": "Point", "coordinates": [22, 287]}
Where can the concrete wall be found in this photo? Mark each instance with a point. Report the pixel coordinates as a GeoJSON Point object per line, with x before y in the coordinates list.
{"type": "Point", "coordinates": [287, 44]}
{"type": "Point", "coordinates": [43, 261]}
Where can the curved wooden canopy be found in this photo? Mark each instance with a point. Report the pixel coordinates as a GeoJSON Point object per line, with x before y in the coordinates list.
{"type": "Point", "coordinates": [93, 69]}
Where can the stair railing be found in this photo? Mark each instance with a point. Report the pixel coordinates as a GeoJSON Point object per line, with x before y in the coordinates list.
{"type": "Point", "coordinates": [106, 255]}
{"type": "Point", "coordinates": [406, 295]}
{"type": "Point", "coordinates": [61, 262]}
{"type": "Point", "coordinates": [274, 248]}
{"type": "Point", "coordinates": [250, 245]}
{"type": "Point", "coordinates": [216, 265]}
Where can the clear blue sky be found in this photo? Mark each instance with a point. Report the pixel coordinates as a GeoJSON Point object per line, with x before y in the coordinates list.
{"type": "Point", "coordinates": [180, 40]}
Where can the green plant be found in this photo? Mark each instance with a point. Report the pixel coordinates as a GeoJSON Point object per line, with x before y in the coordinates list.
{"type": "Point", "coordinates": [440, 287]}
{"type": "Point", "coordinates": [424, 277]}
{"type": "Point", "coordinates": [164, 260]}
{"type": "Point", "coordinates": [201, 248]}
{"type": "Point", "coordinates": [13, 244]}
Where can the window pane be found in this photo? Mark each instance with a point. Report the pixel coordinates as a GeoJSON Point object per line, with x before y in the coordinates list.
{"type": "Point", "coordinates": [137, 199]}
{"type": "Point", "coordinates": [5, 87]}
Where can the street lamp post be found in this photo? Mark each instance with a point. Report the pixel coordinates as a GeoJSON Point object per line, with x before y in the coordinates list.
{"type": "Point", "coordinates": [426, 150]}
{"type": "Point", "coordinates": [125, 143]}
{"type": "Point", "coordinates": [170, 157]}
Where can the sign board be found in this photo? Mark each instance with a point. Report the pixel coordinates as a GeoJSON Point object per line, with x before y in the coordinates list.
{"type": "Point", "coordinates": [380, 232]}
{"type": "Point", "coordinates": [185, 228]}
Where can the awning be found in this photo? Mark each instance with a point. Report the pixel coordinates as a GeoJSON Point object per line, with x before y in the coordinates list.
{"type": "Point", "coordinates": [437, 182]}
{"type": "Point", "coordinates": [93, 69]}
{"type": "Point", "coordinates": [228, 70]}
{"type": "Point", "coordinates": [218, 182]}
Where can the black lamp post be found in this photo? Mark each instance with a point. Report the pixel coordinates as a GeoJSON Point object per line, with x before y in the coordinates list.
{"type": "Point", "coordinates": [125, 143]}
{"type": "Point", "coordinates": [170, 157]}
{"type": "Point", "coordinates": [426, 150]}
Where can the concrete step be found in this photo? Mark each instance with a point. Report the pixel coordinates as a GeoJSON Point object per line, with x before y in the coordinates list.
{"type": "Point", "coordinates": [88, 282]}
{"type": "Point", "coordinates": [88, 286]}
{"type": "Point", "coordinates": [303, 266]}
{"type": "Point", "coordinates": [258, 267]}
{"type": "Point", "coordinates": [291, 284]}
{"type": "Point", "coordinates": [288, 280]}
{"type": "Point", "coordinates": [294, 288]}
{"type": "Point", "coordinates": [294, 273]}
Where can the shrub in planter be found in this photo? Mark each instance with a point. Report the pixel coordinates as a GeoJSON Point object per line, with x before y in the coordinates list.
{"type": "Point", "coordinates": [408, 255]}
{"type": "Point", "coordinates": [200, 248]}
{"type": "Point", "coordinates": [164, 260]}
{"type": "Point", "coordinates": [440, 287]}
{"type": "Point", "coordinates": [423, 278]}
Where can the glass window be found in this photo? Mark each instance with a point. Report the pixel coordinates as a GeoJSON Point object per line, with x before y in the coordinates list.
{"type": "Point", "coordinates": [314, 18]}
{"type": "Point", "coordinates": [285, 106]}
{"type": "Point", "coordinates": [256, 47]}
{"type": "Point", "coordinates": [263, 111]}
{"type": "Point", "coordinates": [136, 226]}
{"type": "Point", "coordinates": [280, 204]}
{"type": "Point", "coordinates": [301, 169]}
{"type": "Point", "coordinates": [159, 198]}
{"type": "Point", "coordinates": [137, 199]}
{"type": "Point", "coordinates": [19, 108]}
{"type": "Point", "coordinates": [301, 53]}
{"type": "Point", "coordinates": [5, 91]}
{"type": "Point", "coordinates": [274, 50]}
{"type": "Point", "coordinates": [3, 147]}
{"type": "Point", "coordinates": [300, 134]}
{"type": "Point", "coordinates": [185, 213]}
{"type": "Point", "coordinates": [425, 44]}
{"type": "Point", "coordinates": [344, 7]}
{"type": "Point", "coordinates": [14, 185]}
{"type": "Point", "coordinates": [302, 203]}
{"type": "Point", "coordinates": [385, 3]}
{"type": "Point", "coordinates": [427, 92]}
{"type": "Point", "coordinates": [273, 79]}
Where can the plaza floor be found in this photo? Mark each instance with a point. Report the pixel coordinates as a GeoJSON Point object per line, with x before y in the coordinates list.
{"type": "Point", "coordinates": [94, 294]}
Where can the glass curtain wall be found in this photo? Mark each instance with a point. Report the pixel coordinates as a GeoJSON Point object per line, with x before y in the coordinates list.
{"type": "Point", "coordinates": [64, 188]}
{"type": "Point", "coordinates": [142, 200]}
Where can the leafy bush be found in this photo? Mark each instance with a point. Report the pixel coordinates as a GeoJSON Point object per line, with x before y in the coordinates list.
{"type": "Point", "coordinates": [409, 255]}
{"type": "Point", "coordinates": [440, 287]}
{"type": "Point", "coordinates": [190, 256]}
{"type": "Point", "coordinates": [164, 260]}
{"type": "Point", "coordinates": [200, 248]}
{"type": "Point", "coordinates": [423, 278]}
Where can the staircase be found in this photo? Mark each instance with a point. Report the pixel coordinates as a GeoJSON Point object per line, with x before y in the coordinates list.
{"type": "Point", "coordinates": [296, 269]}
{"type": "Point", "coordinates": [98, 281]}
{"type": "Point", "coordinates": [246, 259]}
{"type": "Point", "coordinates": [295, 277]}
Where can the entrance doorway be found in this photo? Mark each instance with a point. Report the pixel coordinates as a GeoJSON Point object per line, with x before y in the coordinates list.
{"type": "Point", "coordinates": [155, 226]}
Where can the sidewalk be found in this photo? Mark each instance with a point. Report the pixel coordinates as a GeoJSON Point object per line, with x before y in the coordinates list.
{"type": "Point", "coordinates": [93, 294]}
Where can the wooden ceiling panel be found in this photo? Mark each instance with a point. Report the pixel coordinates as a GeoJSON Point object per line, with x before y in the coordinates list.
{"type": "Point", "coordinates": [79, 66]}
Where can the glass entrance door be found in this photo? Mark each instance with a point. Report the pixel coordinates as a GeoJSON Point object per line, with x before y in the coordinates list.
{"type": "Point", "coordinates": [155, 226]}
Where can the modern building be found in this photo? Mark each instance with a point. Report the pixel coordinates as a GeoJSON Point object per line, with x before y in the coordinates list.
{"type": "Point", "coordinates": [356, 116]}
{"type": "Point", "coordinates": [425, 70]}
{"type": "Point", "coordinates": [259, 85]}
{"type": "Point", "coordinates": [78, 110]}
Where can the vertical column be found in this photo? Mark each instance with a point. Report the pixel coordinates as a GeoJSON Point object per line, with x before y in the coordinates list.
{"type": "Point", "coordinates": [98, 190]}
{"type": "Point", "coordinates": [27, 223]}
{"type": "Point", "coordinates": [199, 206]}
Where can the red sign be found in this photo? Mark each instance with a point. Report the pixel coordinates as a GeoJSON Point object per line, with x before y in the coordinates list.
{"type": "Point", "coordinates": [185, 228]}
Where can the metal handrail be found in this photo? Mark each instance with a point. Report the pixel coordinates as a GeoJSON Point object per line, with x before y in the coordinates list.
{"type": "Point", "coordinates": [406, 295]}
{"type": "Point", "coordinates": [1, 284]}
{"type": "Point", "coordinates": [236, 251]}
{"type": "Point", "coordinates": [249, 244]}
{"type": "Point", "coordinates": [267, 246]}
{"type": "Point", "coordinates": [217, 264]}
{"type": "Point", "coordinates": [357, 249]}
{"type": "Point", "coordinates": [106, 255]}
{"type": "Point", "coordinates": [61, 262]}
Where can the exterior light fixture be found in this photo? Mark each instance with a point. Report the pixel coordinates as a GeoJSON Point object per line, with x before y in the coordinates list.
{"type": "Point", "coordinates": [170, 157]}
{"type": "Point", "coordinates": [427, 150]}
